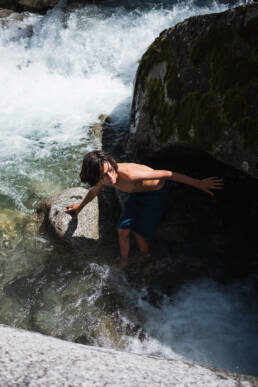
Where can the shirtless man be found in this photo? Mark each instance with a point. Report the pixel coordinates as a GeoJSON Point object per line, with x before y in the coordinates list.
{"type": "Point", "coordinates": [147, 189]}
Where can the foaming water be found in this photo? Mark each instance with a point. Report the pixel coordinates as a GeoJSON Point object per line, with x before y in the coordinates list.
{"type": "Point", "coordinates": [205, 322]}
{"type": "Point", "coordinates": [58, 73]}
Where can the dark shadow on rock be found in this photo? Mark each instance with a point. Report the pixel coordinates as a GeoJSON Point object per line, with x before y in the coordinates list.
{"type": "Point", "coordinates": [204, 236]}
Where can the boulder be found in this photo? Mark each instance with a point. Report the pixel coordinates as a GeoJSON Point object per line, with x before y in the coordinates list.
{"type": "Point", "coordinates": [70, 229]}
{"type": "Point", "coordinates": [197, 85]}
{"type": "Point", "coordinates": [93, 228]}
{"type": "Point", "coordinates": [33, 359]}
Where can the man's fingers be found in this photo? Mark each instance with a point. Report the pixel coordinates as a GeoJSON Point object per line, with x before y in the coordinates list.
{"type": "Point", "coordinates": [70, 208]}
{"type": "Point", "coordinates": [210, 192]}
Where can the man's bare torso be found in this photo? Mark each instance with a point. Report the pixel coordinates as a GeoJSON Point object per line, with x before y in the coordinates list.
{"type": "Point", "coordinates": [126, 183]}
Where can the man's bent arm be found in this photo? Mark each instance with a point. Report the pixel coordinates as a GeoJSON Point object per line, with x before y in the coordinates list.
{"type": "Point", "coordinates": [91, 194]}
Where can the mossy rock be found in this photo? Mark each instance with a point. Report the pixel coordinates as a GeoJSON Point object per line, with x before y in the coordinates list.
{"type": "Point", "coordinates": [207, 96]}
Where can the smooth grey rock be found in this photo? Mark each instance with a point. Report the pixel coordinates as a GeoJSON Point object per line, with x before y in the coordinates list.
{"type": "Point", "coordinates": [32, 359]}
{"type": "Point", "coordinates": [74, 230]}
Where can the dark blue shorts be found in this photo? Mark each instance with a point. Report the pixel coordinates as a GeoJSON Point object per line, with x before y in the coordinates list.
{"type": "Point", "coordinates": [142, 211]}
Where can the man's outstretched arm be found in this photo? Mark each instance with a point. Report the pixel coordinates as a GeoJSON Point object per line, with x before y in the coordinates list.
{"type": "Point", "coordinates": [205, 185]}
{"type": "Point", "coordinates": [92, 193]}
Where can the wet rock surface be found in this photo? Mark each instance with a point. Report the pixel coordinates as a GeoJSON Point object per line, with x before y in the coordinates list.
{"type": "Point", "coordinates": [197, 85]}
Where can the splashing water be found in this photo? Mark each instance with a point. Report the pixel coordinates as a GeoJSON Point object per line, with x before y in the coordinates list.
{"type": "Point", "coordinates": [58, 73]}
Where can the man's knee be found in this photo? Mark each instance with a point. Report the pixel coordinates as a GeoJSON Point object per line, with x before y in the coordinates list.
{"type": "Point", "coordinates": [123, 232]}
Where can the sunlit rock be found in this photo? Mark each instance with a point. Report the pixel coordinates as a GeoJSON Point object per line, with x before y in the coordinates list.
{"type": "Point", "coordinates": [27, 356]}
{"type": "Point", "coordinates": [76, 231]}
{"type": "Point", "coordinates": [97, 129]}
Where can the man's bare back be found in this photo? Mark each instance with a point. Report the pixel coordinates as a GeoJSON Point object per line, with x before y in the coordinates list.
{"type": "Point", "coordinates": [127, 178]}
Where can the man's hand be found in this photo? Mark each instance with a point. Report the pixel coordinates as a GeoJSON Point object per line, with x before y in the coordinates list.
{"type": "Point", "coordinates": [73, 209]}
{"type": "Point", "coordinates": [210, 183]}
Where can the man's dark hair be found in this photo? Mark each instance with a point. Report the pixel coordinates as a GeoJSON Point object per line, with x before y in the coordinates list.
{"type": "Point", "coordinates": [93, 164]}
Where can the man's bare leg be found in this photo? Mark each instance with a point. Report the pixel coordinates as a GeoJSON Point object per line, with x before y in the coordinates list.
{"type": "Point", "coordinates": [124, 245]}
{"type": "Point", "coordinates": [142, 244]}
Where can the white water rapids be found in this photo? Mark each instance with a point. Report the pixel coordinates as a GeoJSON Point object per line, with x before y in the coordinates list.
{"type": "Point", "coordinates": [58, 73]}
{"type": "Point", "coordinates": [55, 83]}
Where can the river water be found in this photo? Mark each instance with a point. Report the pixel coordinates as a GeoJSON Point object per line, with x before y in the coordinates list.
{"type": "Point", "coordinates": [58, 73]}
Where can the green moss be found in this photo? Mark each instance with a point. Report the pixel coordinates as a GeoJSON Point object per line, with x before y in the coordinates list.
{"type": "Point", "coordinates": [186, 116]}
{"type": "Point", "coordinates": [228, 68]}
{"type": "Point", "coordinates": [159, 51]}
{"type": "Point", "coordinates": [249, 33]}
{"type": "Point", "coordinates": [222, 47]}
{"type": "Point", "coordinates": [160, 112]}
{"type": "Point", "coordinates": [204, 46]}
{"type": "Point", "coordinates": [152, 56]}
{"type": "Point", "coordinates": [234, 105]}
{"type": "Point", "coordinates": [232, 58]}
{"type": "Point", "coordinates": [208, 126]}
{"type": "Point", "coordinates": [248, 129]}
{"type": "Point", "coordinates": [174, 87]}
{"type": "Point", "coordinates": [199, 121]}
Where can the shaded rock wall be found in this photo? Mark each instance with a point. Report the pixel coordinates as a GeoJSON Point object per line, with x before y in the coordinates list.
{"type": "Point", "coordinates": [192, 94]}
{"type": "Point", "coordinates": [197, 84]}
{"type": "Point", "coordinates": [36, 360]}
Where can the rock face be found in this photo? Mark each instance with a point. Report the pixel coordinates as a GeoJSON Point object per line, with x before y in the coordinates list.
{"type": "Point", "coordinates": [73, 230]}
{"type": "Point", "coordinates": [197, 84]}
{"type": "Point", "coordinates": [94, 226]}
{"type": "Point", "coordinates": [36, 360]}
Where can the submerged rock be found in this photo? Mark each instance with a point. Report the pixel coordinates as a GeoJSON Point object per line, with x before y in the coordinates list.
{"type": "Point", "coordinates": [197, 85]}
{"type": "Point", "coordinates": [31, 358]}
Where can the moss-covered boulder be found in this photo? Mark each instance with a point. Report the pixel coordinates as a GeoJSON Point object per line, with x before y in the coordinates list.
{"type": "Point", "coordinates": [197, 84]}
